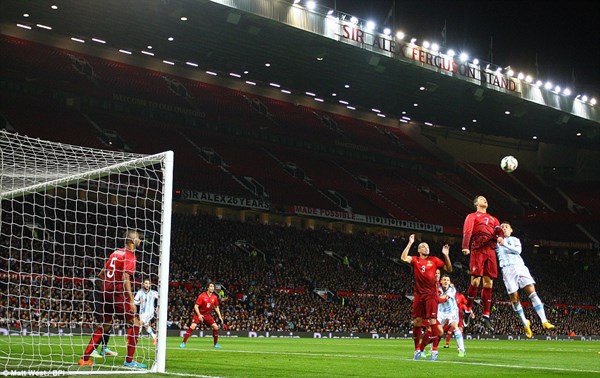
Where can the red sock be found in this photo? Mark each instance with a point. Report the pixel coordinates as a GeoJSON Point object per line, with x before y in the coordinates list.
{"type": "Point", "coordinates": [437, 332]}
{"type": "Point", "coordinates": [471, 294]}
{"type": "Point", "coordinates": [448, 337]}
{"type": "Point", "coordinates": [417, 336]}
{"type": "Point", "coordinates": [132, 338]}
{"type": "Point", "coordinates": [215, 335]}
{"type": "Point", "coordinates": [486, 299]}
{"type": "Point", "coordinates": [428, 337]}
{"type": "Point", "coordinates": [425, 340]}
{"type": "Point", "coordinates": [187, 335]}
{"type": "Point", "coordinates": [94, 341]}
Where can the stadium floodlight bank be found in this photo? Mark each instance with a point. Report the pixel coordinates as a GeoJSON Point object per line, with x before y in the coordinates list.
{"type": "Point", "coordinates": [63, 210]}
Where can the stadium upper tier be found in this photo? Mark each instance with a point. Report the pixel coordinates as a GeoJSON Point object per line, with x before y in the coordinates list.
{"type": "Point", "coordinates": [273, 42]}
{"type": "Point", "coordinates": [231, 142]}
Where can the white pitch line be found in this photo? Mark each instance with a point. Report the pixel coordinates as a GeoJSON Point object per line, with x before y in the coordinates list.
{"type": "Point", "coordinates": [518, 366]}
{"type": "Point", "coordinates": [192, 375]}
{"type": "Point", "coordinates": [530, 367]}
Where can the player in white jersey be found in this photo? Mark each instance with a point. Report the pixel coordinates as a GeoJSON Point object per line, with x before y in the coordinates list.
{"type": "Point", "coordinates": [516, 276]}
{"type": "Point", "coordinates": [448, 312]}
{"type": "Point", "coordinates": [146, 298]}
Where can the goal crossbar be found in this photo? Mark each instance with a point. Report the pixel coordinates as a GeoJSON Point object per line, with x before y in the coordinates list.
{"type": "Point", "coordinates": [88, 175]}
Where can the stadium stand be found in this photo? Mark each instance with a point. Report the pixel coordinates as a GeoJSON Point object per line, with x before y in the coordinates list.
{"type": "Point", "coordinates": [276, 293]}
{"type": "Point", "coordinates": [242, 135]}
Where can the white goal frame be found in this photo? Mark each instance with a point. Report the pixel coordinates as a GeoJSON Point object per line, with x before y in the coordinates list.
{"type": "Point", "coordinates": [17, 182]}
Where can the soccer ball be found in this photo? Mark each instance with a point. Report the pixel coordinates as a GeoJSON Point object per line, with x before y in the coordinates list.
{"type": "Point", "coordinates": [509, 164]}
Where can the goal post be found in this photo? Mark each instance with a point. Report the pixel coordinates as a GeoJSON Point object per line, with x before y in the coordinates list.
{"type": "Point", "coordinates": [63, 210]}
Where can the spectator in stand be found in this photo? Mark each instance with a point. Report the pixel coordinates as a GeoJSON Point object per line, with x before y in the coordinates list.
{"type": "Point", "coordinates": [425, 303]}
{"type": "Point", "coordinates": [516, 276]}
{"type": "Point", "coordinates": [480, 231]}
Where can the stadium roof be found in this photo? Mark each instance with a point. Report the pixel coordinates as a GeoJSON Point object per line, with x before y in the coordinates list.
{"type": "Point", "coordinates": [227, 40]}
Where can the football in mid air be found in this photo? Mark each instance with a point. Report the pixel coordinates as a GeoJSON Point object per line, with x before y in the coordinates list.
{"type": "Point", "coordinates": [509, 164]}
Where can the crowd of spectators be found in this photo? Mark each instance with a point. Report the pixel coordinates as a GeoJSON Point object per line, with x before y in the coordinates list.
{"type": "Point", "coordinates": [275, 289]}
{"type": "Point", "coordinates": [276, 292]}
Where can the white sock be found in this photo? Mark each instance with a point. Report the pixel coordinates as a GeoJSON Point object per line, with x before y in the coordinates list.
{"type": "Point", "coordinates": [150, 331]}
{"type": "Point", "coordinates": [459, 339]}
{"type": "Point", "coordinates": [519, 310]}
{"type": "Point", "coordinates": [538, 306]}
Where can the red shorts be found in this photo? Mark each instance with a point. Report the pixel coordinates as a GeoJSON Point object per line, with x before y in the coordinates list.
{"type": "Point", "coordinates": [425, 307]}
{"type": "Point", "coordinates": [207, 319]}
{"type": "Point", "coordinates": [115, 305]}
{"type": "Point", "coordinates": [483, 262]}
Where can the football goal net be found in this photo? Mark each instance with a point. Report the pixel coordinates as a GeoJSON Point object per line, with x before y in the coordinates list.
{"type": "Point", "coordinates": [64, 210]}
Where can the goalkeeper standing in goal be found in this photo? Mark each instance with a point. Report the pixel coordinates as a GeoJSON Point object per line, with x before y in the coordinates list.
{"type": "Point", "coordinates": [117, 299]}
{"type": "Point", "coordinates": [146, 299]}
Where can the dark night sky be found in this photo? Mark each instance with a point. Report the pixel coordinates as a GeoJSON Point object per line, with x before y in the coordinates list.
{"type": "Point", "coordinates": [565, 36]}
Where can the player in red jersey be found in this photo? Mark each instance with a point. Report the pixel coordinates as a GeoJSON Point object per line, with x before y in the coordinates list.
{"type": "Point", "coordinates": [205, 303]}
{"type": "Point", "coordinates": [426, 299]}
{"type": "Point", "coordinates": [117, 299]}
{"type": "Point", "coordinates": [480, 233]}
{"type": "Point", "coordinates": [427, 354]}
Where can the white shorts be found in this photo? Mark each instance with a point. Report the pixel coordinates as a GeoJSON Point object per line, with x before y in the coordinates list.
{"type": "Point", "coordinates": [516, 277]}
{"type": "Point", "coordinates": [146, 318]}
{"type": "Point", "coordinates": [447, 318]}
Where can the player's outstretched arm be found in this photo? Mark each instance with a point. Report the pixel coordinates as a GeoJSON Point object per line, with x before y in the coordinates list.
{"type": "Point", "coordinates": [467, 232]}
{"type": "Point", "coordinates": [447, 262]}
{"type": "Point", "coordinates": [405, 257]}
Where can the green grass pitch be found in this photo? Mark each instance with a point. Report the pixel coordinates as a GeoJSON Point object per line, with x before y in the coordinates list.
{"type": "Point", "coordinates": [274, 357]}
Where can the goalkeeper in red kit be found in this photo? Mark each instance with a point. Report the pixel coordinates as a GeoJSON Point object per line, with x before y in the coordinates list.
{"type": "Point", "coordinates": [480, 232]}
{"type": "Point", "coordinates": [205, 303]}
